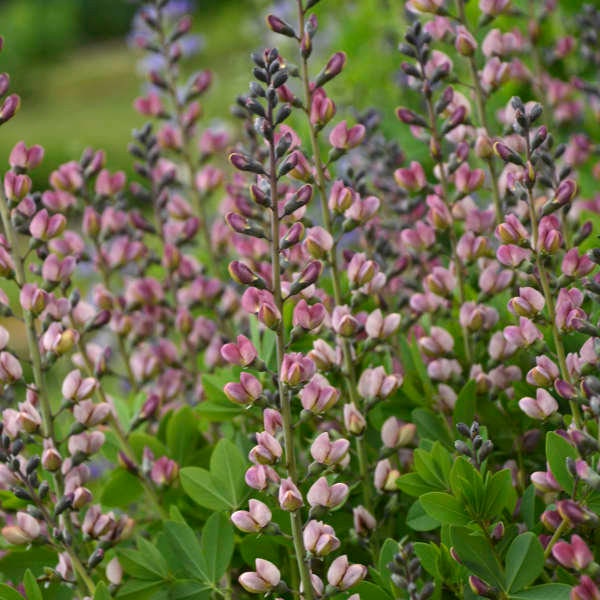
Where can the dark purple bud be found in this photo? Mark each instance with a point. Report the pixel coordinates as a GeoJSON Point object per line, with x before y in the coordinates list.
{"type": "Point", "coordinates": [507, 155]}
{"type": "Point", "coordinates": [409, 117]}
{"type": "Point", "coordinates": [332, 69]}
{"type": "Point", "coordinates": [245, 163]}
{"type": "Point", "coordinates": [277, 25]}
{"type": "Point", "coordinates": [242, 274]}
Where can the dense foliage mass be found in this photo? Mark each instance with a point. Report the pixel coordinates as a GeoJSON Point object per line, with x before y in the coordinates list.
{"type": "Point", "coordinates": [370, 373]}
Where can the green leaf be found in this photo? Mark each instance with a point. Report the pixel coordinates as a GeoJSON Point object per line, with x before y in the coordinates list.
{"type": "Point", "coordinates": [8, 593]}
{"type": "Point", "coordinates": [524, 561]}
{"type": "Point", "coordinates": [475, 553]}
{"type": "Point", "coordinates": [121, 489]}
{"type": "Point", "coordinates": [228, 467]}
{"type": "Point", "coordinates": [192, 590]}
{"type": "Point", "coordinates": [101, 593]}
{"type": "Point", "coordinates": [32, 589]}
{"type": "Point", "coordinates": [217, 545]}
{"type": "Point", "coordinates": [467, 484]}
{"type": "Point", "coordinates": [198, 484]}
{"type": "Point", "coordinates": [419, 520]}
{"type": "Point", "coordinates": [182, 434]}
{"type": "Point", "coordinates": [153, 558]}
{"type": "Point", "coordinates": [527, 507]}
{"type": "Point", "coordinates": [413, 485]}
{"type": "Point", "coordinates": [134, 564]}
{"type": "Point", "coordinates": [184, 544]}
{"type": "Point", "coordinates": [218, 410]}
{"type": "Point", "coordinates": [549, 591]}
{"type": "Point", "coordinates": [430, 426]}
{"type": "Point", "coordinates": [429, 555]}
{"type": "Point", "coordinates": [557, 452]}
{"type": "Point", "coordinates": [466, 403]}
{"type": "Point", "coordinates": [386, 555]}
{"type": "Point", "coordinates": [499, 495]}
{"type": "Point", "coordinates": [444, 508]}
{"type": "Point", "coordinates": [260, 546]}
{"type": "Point", "coordinates": [136, 589]}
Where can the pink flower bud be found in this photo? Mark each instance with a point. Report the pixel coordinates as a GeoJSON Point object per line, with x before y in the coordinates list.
{"type": "Point", "coordinates": [319, 539]}
{"type": "Point", "coordinates": [308, 317]}
{"type": "Point", "coordinates": [242, 353]}
{"type": "Point", "coordinates": [511, 255]}
{"type": "Point", "coordinates": [364, 522]}
{"type": "Point", "coordinates": [16, 187]}
{"type": "Point", "coordinates": [247, 391]}
{"type": "Point", "coordinates": [574, 265]}
{"type": "Point", "coordinates": [322, 108]}
{"type": "Point", "coordinates": [263, 580]}
{"type": "Point", "coordinates": [9, 108]}
{"type": "Point", "coordinates": [322, 494]}
{"type": "Point", "coordinates": [540, 407]}
{"type": "Point", "coordinates": [377, 384]}
{"type": "Point", "coordinates": [586, 590]}
{"type": "Point", "coordinates": [345, 138]}
{"type": "Point", "coordinates": [326, 452]}
{"type": "Point", "coordinates": [342, 575]}
{"type": "Point", "coordinates": [343, 322]}
{"type": "Point", "coordinates": [318, 242]}
{"type": "Point", "coordinates": [411, 179]}
{"type": "Point", "coordinates": [544, 373]}
{"type": "Point", "coordinates": [354, 422]}
{"type": "Point", "coordinates": [290, 498]}
{"type": "Point", "coordinates": [379, 328]}
{"type": "Point", "coordinates": [10, 368]}
{"type": "Point", "coordinates": [385, 477]}
{"type": "Point", "coordinates": [340, 197]}
{"type": "Point", "coordinates": [318, 396]}
{"type": "Point", "coordinates": [575, 555]}
{"type": "Point", "coordinates": [396, 433]}
{"type": "Point", "coordinates": [258, 477]}
{"type": "Point", "coordinates": [114, 572]}
{"type": "Point", "coordinates": [440, 342]}
{"type": "Point", "coordinates": [439, 216]}
{"type": "Point", "coordinates": [25, 158]}
{"type": "Point", "coordinates": [296, 369]}
{"type": "Point", "coordinates": [25, 531]}
{"type": "Point", "coordinates": [523, 335]}
{"type": "Point", "coordinates": [164, 471]}
{"type": "Point", "coordinates": [528, 303]}
{"type": "Point", "coordinates": [464, 43]}
{"type": "Point", "coordinates": [267, 451]}
{"type": "Point", "coordinates": [253, 520]}
{"type": "Point", "coordinates": [77, 388]}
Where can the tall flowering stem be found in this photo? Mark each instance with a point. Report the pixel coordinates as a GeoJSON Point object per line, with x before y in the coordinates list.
{"type": "Point", "coordinates": [480, 100]}
{"type": "Point", "coordinates": [331, 70]}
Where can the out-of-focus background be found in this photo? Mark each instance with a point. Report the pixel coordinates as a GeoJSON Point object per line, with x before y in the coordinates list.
{"type": "Point", "coordinates": [77, 73]}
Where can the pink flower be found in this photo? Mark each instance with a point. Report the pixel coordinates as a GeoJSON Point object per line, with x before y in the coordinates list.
{"type": "Point", "coordinates": [290, 498]}
{"type": "Point", "coordinates": [540, 407]}
{"type": "Point", "coordinates": [263, 580]}
{"type": "Point", "coordinates": [255, 519]}
{"type": "Point", "coordinates": [319, 538]}
{"type": "Point", "coordinates": [247, 391]}
{"type": "Point", "coordinates": [528, 303]}
{"type": "Point", "coordinates": [327, 452]}
{"type": "Point", "coordinates": [296, 369]}
{"type": "Point", "coordinates": [376, 383]}
{"type": "Point", "coordinates": [342, 575]}
{"type": "Point", "coordinates": [25, 158]}
{"type": "Point", "coordinates": [318, 396]}
{"type": "Point", "coordinates": [523, 335]}
{"type": "Point", "coordinates": [575, 555]}
{"type": "Point", "coordinates": [242, 352]}
{"type": "Point", "coordinates": [412, 178]}
{"type": "Point", "coordinates": [345, 138]}
{"type": "Point", "coordinates": [322, 494]}
{"type": "Point", "coordinates": [308, 317]}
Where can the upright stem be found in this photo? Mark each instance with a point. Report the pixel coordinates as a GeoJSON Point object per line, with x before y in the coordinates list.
{"type": "Point", "coordinates": [38, 377]}
{"type": "Point", "coordinates": [349, 378]}
{"type": "Point", "coordinates": [543, 275]}
{"type": "Point", "coordinates": [480, 103]}
{"type": "Point", "coordinates": [284, 394]}
{"type": "Point", "coordinates": [453, 242]}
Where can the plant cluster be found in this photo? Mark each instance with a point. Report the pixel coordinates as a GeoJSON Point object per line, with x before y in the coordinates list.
{"type": "Point", "coordinates": [297, 361]}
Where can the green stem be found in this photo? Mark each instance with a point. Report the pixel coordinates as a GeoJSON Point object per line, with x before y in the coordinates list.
{"type": "Point", "coordinates": [543, 276]}
{"type": "Point", "coordinates": [348, 371]}
{"type": "Point", "coordinates": [480, 104]}
{"type": "Point", "coordinates": [564, 525]}
{"type": "Point", "coordinates": [453, 241]}
{"type": "Point", "coordinates": [38, 375]}
{"type": "Point", "coordinates": [284, 395]}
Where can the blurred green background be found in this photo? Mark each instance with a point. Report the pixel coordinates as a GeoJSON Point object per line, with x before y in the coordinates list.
{"type": "Point", "coordinates": [70, 62]}
{"type": "Point", "coordinates": [77, 77]}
